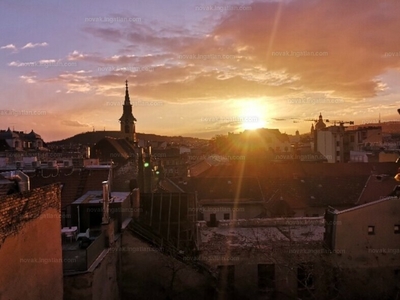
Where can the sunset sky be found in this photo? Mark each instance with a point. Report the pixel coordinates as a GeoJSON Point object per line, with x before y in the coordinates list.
{"type": "Point", "coordinates": [197, 68]}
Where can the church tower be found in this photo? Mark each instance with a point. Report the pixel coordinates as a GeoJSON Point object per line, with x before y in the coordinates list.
{"type": "Point", "coordinates": [128, 120]}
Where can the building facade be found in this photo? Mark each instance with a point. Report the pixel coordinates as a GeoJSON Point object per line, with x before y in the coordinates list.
{"type": "Point", "coordinates": [30, 245]}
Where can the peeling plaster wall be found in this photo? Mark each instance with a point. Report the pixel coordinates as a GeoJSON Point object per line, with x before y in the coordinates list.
{"type": "Point", "coordinates": [30, 249]}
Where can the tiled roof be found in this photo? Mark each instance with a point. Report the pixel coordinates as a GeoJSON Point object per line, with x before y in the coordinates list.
{"type": "Point", "coordinates": [119, 148]}
{"type": "Point", "coordinates": [75, 182]}
{"type": "Point", "coordinates": [198, 168]}
{"type": "Point", "coordinates": [377, 187]}
{"type": "Point", "coordinates": [302, 185]}
{"type": "Point", "coordinates": [224, 188]}
{"type": "Point", "coordinates": [299, 170]}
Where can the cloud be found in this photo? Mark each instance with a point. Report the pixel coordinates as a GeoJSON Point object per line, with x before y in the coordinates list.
{"type": "Point", "coordinates": [40, 63]}
{"type": "Point", "coordinates": [32, 45]}
{"type": "Point", "coordinates": [275, 49]}
{"type": "Point", "coordinates": [287, 36]}
{"type": "Point", "coordinates": [72, 123]}
{"type": "Point", "coordinates": [28, 78]}
{"type": "Point", "coordinates": [10, 47]}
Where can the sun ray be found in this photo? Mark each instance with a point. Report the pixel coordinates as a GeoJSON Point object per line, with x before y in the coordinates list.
{"type": "Point", "coordinates": [253, 115]}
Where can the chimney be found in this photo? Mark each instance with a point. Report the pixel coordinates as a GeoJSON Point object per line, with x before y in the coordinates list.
{"type": "Point", "coordinates": [109, 179]}
{"type": "Point", "coordinates": [106, 201]}
{"type": "Point", "coordinates": [20, 178]}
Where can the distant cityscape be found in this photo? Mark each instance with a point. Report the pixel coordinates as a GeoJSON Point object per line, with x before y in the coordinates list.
{"type": "Point", "coordinates": [174, 150]}
{"type": "Point", "coordinates": [281, 210]}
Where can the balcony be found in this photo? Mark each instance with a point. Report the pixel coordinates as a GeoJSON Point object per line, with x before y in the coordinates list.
{"type": "Point", "coordinates": [78, 257]}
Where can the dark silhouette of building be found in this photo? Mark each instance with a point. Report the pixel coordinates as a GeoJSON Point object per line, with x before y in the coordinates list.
{"type": "Point", "coordinates": [127, 119]}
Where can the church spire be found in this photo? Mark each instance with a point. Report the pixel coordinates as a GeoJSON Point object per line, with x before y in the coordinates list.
{"type": "Point", "coordinates": [127, 119]}
{"type": "Point", "coordinates": [127, 99]}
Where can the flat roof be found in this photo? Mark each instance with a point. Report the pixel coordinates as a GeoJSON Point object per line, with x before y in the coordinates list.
{"type": "Point", "coordinates": [97, 197]}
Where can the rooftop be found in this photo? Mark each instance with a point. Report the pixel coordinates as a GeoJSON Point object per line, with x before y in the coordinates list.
{"type": "Point", "coordinates": [75, 182]}
{"type": "Point", "coordinates": [97, 197]}
{"type": "Point", "coordinates": [365, 205]}
{"type": "Point", "coordinates": [265, 233]}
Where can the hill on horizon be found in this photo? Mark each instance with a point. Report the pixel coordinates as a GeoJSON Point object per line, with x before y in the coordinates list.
{"type": "Point", "coordinates": [387, 127]}
{"type": "Point", "coordinates": [92, 137]}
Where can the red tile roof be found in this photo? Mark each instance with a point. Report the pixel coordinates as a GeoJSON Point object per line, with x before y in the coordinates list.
{"type": "Point", "coordinates": [75, 182]}
{"type": "Point", "coordinates": [377, 187]}
{"type": "Point", "coordinates": [298, 169]}
{"type": "Point", "coordinates": [302, 185]}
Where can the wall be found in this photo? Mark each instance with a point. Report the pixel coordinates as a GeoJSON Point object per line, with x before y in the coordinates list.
{"type": "Point", "coordinates": [100, 282]}
{"type": "Point", "coordinates": [388, 157]}
{"type": "Point", "coordinates": [149, 274]}
{"type": "Point", "coordinates": [30, 245]}
{"type": "Point", "coordinates": [272, 222]}
{"type": "Point", "coordinates": [379, 249]}
{"type": "Point", "coordinates": [326, 145]}
{"type": "Point", "coordinates": [282, 242]}
{"type": "Point", "coordinates": [240, 211]}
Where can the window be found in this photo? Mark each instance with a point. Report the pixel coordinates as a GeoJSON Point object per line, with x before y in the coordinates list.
{"type": "Point", "coordinates": [305, 277]}
{"type": "Point", "coordinates": [371, 230]}
{"type": "Point", "coordinates": [213, 220]}
{"type": "Point", "coordinates": [226, 278]}
{"type": "Point", "coordinates": [226, 216]}
{"type": "Point", "coordinates": [337, 143]}
{"type": "Point", "coordinates": [266, 276]}
{"type": "Point", "coordinates": [397, 229]}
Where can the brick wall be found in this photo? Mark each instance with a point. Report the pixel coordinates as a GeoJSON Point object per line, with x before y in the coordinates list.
{"type": "Point", "coordinates": [18, 209]}
{"type": "Point", "coordinates": [30, 245]}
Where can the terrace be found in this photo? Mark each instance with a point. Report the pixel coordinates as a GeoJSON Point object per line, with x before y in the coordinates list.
{"type": "Point", "coordinates": [80, 253]}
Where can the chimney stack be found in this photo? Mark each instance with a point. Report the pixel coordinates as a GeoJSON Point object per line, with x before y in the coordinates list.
{"type": "Point", "coordinates": [106, 201]}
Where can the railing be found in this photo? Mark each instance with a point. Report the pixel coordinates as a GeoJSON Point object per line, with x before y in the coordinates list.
{"type": "Point", "coordinates": [74, 260]}
{"type": "Point", "coordinates": [94, 249]}
{"type": "Point", "coordinates": [82, 259]}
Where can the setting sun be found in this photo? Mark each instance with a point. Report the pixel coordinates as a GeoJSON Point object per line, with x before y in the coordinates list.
{"type": "Point", "coordinates": [253, 115]}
